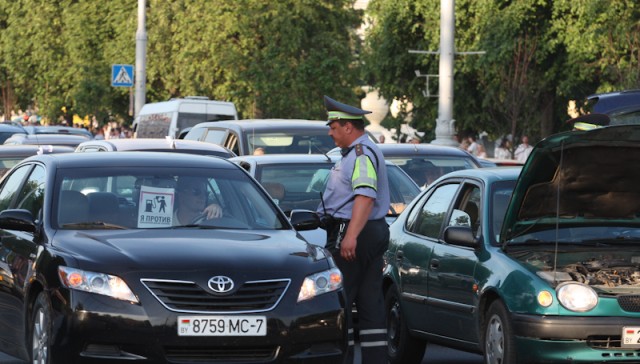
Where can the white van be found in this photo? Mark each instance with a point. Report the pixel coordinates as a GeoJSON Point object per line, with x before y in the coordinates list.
{"type": "Point", "coordinates": [174, 117]}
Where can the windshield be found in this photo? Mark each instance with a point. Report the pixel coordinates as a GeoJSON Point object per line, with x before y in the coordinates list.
{"type": "Point", "coordinates": [145, 198]}
{"type": "Point", "coordinates": [289, 142]}
{"type": "Point", "coordinates": [426, 169]}
{"type": "Point", "coordinates": [299, 186]}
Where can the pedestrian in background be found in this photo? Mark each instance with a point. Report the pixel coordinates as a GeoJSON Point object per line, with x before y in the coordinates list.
{"type": "Point", "coordinates": [472, 147]}
{"type": "Point", "coordinates": [523, 150]}
{"type": "Point", "coordinates": [502, 151]}
{"type": "Point", "coordinates": [354, 206]}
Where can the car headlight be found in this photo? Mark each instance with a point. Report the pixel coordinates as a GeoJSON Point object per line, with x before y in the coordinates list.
{"type": "Point", "coordinates": [93, 282]}
{"type": "Point", "coordinates": [320, 283]}
{"type": "Point", "coordinates": [577, 297]}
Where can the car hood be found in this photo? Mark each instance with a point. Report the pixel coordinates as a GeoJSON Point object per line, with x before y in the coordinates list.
{"type": "Point", "coordinates": [578, 178]}
{"type": "Point", "coordinates": [185, 249]}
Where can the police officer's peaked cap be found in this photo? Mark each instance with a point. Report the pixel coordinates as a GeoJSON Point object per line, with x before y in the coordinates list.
{"type": "Point", "coordinates": [590, 121]}
{"type": "Point", "coordinates": [339, 111]}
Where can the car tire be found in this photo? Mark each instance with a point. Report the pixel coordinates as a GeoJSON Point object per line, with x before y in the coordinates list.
{"type": "Point", "coordinates": [499, 346]}
{"type": "Point", "coordinates": [402, 348]}
{"type": "Point", "coordinates": [40, 330]}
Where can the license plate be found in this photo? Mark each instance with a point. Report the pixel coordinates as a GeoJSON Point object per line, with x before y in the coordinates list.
{"type": "Point", "coordinates": [222, 325]}
{"type": "Point", "coordinates": [631, 336]}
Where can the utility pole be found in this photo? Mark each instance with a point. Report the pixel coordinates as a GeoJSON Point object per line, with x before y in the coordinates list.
{"type": "Point", "coordinates": [445, 123]}
{"type": "Point", "coordinates": [141, 59]}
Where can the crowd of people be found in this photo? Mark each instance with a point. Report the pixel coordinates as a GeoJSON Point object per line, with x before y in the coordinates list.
{"type": "Point", "coordinates": [110, 130]}
{"type": "Point", "coordinates": [503, 148]}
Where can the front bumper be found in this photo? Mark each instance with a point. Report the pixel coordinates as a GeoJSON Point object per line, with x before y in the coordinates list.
{"type": "Point", "coordinates": [568, 339]}
{"type": "Point", "coordinates": [99, 329]}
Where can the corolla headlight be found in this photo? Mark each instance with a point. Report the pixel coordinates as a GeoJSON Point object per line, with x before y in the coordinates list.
{"type": "Point", "coordinates": [93, 282]}
{"type": "Point", "coordinates": [320, 283]}
{"type": "Point", "coordinates": [577, 297]}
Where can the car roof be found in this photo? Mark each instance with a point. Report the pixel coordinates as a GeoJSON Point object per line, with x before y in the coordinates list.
{"type": "Point", "coordinates": [42, 139]}
{"type": "Point", "coordinates": [56, 129]}
{"type": "Point", "coordinates": [292, 158]}
{"type": "Point", "coordinates": [139, 159]}
{"type": "Point", "coordinates": [11, 128]}
{"type": "Point", "coordinates": [30, 149]}
{"type": "Point", "coordinates": [611, 103]}
{"type": "Point", "coordinates": [409, 148]}
{"type": "Point", "coordinates": [265, 124]}
{"type": "Point", "coordinates": [488, 174]}
{"type": "Point", "coordinates": [155, 144]}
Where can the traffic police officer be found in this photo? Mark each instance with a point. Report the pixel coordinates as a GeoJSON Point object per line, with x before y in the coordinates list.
{"type": "Point", "coordinates": [354, 205]}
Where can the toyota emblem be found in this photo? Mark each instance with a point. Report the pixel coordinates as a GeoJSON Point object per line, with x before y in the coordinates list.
{"type": "Point", "coordinates": [220, 284]}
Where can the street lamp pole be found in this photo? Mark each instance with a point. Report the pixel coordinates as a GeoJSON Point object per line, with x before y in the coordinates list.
{"type": "Point", "coordinates": [141, 59]}
{"type": "Point", "coordinates": [445, 123]}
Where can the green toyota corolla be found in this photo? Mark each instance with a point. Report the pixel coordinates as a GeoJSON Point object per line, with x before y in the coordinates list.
{"type": "Point", "coordinates": [540, 266]}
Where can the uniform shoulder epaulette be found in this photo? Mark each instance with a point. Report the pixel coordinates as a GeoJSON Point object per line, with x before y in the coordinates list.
{"type": "Point", "coordinates": [359, 150]}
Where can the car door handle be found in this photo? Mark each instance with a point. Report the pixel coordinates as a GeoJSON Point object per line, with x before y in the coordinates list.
{"type": "Point", "coordinates": [434, 264]}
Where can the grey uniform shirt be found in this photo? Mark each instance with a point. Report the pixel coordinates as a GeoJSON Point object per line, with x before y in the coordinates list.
{"type": "Point", "coordinates": [353, 175]}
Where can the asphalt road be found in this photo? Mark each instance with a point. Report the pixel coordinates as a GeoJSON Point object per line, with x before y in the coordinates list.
{"type": "Point", "coordinates": [435, 354]}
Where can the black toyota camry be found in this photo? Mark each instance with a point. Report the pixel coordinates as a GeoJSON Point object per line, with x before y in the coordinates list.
{"type": "Point", "coordinates": [101, 262]}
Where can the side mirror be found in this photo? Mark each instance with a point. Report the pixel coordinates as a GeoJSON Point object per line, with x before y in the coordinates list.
{"type": "Point", "coordinates": [17, 219]}
{"type": "Point", "coordinates": [303, 220]}
{"type": "Point", "coordinates": [460, 235]}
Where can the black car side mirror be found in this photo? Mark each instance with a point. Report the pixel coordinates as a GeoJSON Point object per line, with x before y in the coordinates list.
{"type": "Point", "coordinates": [304, 220]}
{"type": "Point", "coordinates": [460, 235]}
{"type": "Point", "coordinates": [17, 219]}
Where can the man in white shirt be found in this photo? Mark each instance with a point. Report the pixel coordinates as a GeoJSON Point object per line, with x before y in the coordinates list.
{"type": "Point", "coordinates": [523, 150]}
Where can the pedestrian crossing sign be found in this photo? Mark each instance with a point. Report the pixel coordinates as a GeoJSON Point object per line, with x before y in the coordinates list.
{"type": "Point", "coordinates": [122, 75]}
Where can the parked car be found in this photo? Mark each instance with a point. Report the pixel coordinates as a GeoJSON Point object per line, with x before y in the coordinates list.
{"type": "Point", "coordinates": [268, 136]}
{"type": "Point", "coordinates": [171, 118]}
{"type": "Point", "coordinates": [622, 107]}
{"type": "Point", "coordinates": [297, 181]}
{"type": "Point", "coordinates": [46, 139]}
{"type": "Point", "coordinates": [10, 155]}
{"type": "Point", "coordinates": [92, 269]}
{"type": "Point", "coordinates": [558, 282]}
{"type": "Point", "coordinates": [8, 130]}
{"type": "Point", "coordinates": [426, 162]}
{"type": "Point", "coordinates": [155, 145]}
{"type": "Point", "coordinates": [57, 129]}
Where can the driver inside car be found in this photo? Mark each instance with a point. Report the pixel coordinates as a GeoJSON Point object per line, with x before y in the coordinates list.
{"type": "Point", "coordinates": [191, 202]}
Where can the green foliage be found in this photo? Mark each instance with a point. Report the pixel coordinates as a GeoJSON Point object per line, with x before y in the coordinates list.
{"type": "Point", "coordinates": [277, 58]}
{"type": "Point", "coordinates": [273, 59]}
{"type": "Point", "coordinates": [539, 55]}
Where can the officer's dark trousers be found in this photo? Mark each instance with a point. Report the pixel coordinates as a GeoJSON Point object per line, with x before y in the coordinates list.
{"type": "Point", "coordinates": [363, 285]}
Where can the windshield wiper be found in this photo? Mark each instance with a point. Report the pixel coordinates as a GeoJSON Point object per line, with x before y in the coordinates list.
{"type": "Point", "coordinates": [93, 225]}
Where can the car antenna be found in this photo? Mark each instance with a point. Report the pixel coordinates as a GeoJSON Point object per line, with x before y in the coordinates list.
{"type": "Point", "coordinates": [555, 251]}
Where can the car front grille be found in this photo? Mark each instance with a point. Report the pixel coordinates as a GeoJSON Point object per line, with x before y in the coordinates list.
{"type": "Point", "coordinates": [629, 303]}
{"type": "Point", "coordinates": [604, 342]}
{"type": "Point", "coordinates": [189, 297]}
{"type": "Point", "coordinates": [225, 354]}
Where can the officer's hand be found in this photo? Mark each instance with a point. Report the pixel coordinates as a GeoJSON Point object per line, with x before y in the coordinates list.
{"type": "Point", "coordinates": [348, 249]}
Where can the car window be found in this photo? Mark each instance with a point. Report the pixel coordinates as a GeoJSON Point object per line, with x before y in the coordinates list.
{"type": "Point", "coordinates": [500, 197]}
{"type": "Point", "coordinates": [295, 186]}
{"type": "Point", "coordinates": [214, 136]}
{"type": "Point", "coordinates": [466, 211]}
{"type": "Point", "coordinates": [145, 198]}
{"type": "Point", "coordinates": [428, 218]}
{"type": "Point", "coordinates": [11, 186]}
{"type": "Point", "coordinates": [424, 170]}
{"type": "Point", "coordinates": [32, 194]}
{"type": "Point", "coordinates": [232, 143]}
{"type": "Point", "coordinates": [9, 162]}
{"type": "Point", "coordinates": [402, 189]}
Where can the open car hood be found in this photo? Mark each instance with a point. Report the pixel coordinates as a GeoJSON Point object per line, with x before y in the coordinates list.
{"type": "Point", "coordinates": [578, 178]}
